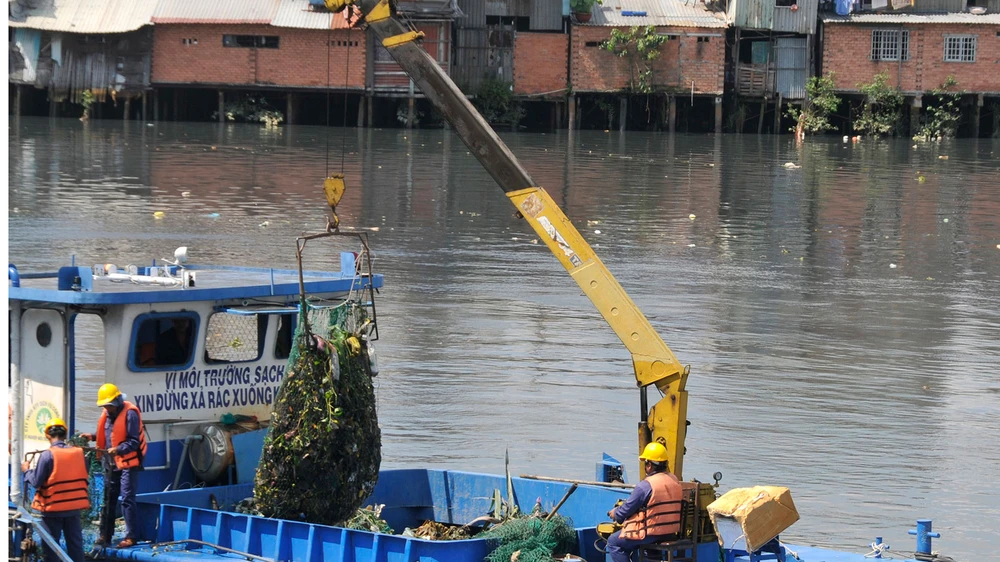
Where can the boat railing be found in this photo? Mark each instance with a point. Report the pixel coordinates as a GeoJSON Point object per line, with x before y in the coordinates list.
{"type": "Point", "coordinates": [51, 544]}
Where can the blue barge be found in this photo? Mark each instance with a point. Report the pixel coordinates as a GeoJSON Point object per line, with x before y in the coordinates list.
{"type": "Point", "coordinates": [205, 412]}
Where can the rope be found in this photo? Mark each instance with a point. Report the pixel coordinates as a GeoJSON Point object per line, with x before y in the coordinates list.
{"type": "Point", "coordinates": [878, 549]}
{"type": "Point", "coordinates": [347, 78]}
{"type": "Point", "coordinates": [329, 32]}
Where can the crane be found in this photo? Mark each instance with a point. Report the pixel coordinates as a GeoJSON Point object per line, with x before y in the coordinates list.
{"type": "Point", "coordinates": [653, 362]}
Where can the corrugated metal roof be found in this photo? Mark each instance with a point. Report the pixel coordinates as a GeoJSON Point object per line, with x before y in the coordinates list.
{"type": "Point", "coordinates": [83, 16]}
{"type": "Point", "coordinates": [215, 11]}
{"type": "Point", "coordinates": [655, 12]}
{"type": "Point", "coordinates": [297, 13]}
{"type": "Point", "coordinates": [987, 19]}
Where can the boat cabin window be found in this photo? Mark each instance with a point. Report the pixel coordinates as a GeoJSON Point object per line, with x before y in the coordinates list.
{"type": "Point", "coordinates": [163, 340]}
{"type": "Point", "coordinates": [232, 338]}
{"type": "Point", "coordinates": [283, 342]}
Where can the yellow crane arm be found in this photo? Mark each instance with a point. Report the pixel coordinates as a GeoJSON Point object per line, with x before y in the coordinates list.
{"type": "Point", "coordinates": [652, 360]}
{"type": "Point", "coordinates": [654, 363]}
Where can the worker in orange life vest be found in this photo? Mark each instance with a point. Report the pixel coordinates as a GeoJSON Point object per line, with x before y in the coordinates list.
{"type": "Point", "coordinates": [122, 436]}
{"type": "Point", "coordinates": [60, 481]}
{"type": "Point", "coordinates": [652, 513]}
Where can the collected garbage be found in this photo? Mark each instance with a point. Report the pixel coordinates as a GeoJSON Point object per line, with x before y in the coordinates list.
{"type": "Point", "coordinates": [322, 452]}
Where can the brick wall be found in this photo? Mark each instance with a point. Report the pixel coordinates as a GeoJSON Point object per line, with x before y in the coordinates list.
{"type": "Point", "coordinates": [847, 54]}
{"type": "Point", "coordinates": [540, 63]}
{"type": "Point", "coordinates": [300, 60]}
{"type": "Point", "coordinates": [682, 60]}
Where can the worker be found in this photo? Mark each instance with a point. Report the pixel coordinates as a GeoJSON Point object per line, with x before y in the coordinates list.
{"type": "Point", "coordinates": [652, 513]}
{"type": "Point", "coordinates": [121, 435]}
{"type": "Point", "coordinates": [60, 481]}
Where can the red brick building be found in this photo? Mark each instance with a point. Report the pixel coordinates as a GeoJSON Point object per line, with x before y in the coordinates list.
{"type": "Point", "coordinates": [691, 61]}
{"type": "Point", "coordinates": [918, 52]}
{"type": "Point", "coordinates": [541, 64]}
{"type": "Point", "coordinates": [255, 55]}
{"type": "Point", "coordinates": [228, 48]}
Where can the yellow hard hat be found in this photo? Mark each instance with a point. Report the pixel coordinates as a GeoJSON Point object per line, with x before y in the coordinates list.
{"type": "Point", "coordinates": [107, 393]}
{"type": "Point", "coordinates": [654, 452]}
{"type": "Point", "coordinates": [55, 422]}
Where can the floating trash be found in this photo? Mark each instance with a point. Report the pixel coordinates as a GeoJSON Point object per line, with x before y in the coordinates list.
{"type": "Point", "coordinates": [792, 165]}
{"type": "Point", "coordinates": [213, 215]}
{"type": "Point", "coordinates": [692, 216]}
{"type": "Point", "coordinates": [185, 194]}
{"type": "Point", "coordinates": [159, 215]}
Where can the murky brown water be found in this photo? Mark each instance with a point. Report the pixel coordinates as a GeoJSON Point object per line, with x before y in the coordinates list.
{"type": "Point", "coordinates": [841, 317]}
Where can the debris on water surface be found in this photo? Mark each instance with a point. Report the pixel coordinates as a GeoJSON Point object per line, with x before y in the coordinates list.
{"type": "Point", "coordinates": [322, 452]}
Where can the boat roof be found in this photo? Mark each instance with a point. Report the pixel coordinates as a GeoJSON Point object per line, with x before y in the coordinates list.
{"type": "Point", "coordinates": [78, 285]}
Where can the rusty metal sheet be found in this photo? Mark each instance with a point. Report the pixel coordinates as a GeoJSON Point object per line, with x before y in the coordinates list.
{"type": "Point", "coordinates": [83, 16]}
{"type": "Point", "coordinates": [628, 13]}
{"type": "Point", "coordinates": [217, 11]}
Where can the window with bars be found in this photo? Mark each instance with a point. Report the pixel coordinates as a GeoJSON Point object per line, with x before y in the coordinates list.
{"type": "Point", "coordinates": [890, 44]}
{"type": "Point", "coordinates": [960, 48]}
{"type": "Point", "coordinates": [251, 41]}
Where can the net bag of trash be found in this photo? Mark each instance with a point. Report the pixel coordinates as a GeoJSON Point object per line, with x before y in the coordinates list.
{"type": "Point", "coordinates": [322, 451]}
{"type": "Point", "coordinates": [530, 539]}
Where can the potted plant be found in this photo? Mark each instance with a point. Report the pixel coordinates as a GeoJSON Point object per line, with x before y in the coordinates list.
{"type": "Point", "coordinates": [582, 9]}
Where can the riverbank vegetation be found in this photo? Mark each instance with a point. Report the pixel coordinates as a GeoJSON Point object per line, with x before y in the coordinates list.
{"type": "Point", "coordinates": [821, 101]}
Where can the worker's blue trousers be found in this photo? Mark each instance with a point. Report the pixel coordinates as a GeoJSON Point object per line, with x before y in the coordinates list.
{"type": "Point", "coordinates": [620, 549]}
{"type": "Point", "coordinates": [122, 486]}
{"type": "Point", "coordinates": [67, 524]}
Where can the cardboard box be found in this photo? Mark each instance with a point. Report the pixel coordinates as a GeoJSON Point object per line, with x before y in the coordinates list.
{"type": "Point", "coordinates": [747, 518]}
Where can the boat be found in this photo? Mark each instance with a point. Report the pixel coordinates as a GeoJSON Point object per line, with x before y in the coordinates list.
{"type": "Point", "coordinates": [206, 414]}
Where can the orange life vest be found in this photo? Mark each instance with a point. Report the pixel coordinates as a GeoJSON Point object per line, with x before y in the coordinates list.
{"type": "Point", "coordinates": [662, 514]}
{"type": "Point", "coordinates": [131, 459]}
{"type": "Point", "coordinates": [66, 488]}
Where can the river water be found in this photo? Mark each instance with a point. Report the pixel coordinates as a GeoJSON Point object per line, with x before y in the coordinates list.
{"type": "Point", "coordinates": [839, 304]}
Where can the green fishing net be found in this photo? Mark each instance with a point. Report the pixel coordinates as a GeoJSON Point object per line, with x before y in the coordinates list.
{"type": "Point", "coordinates": [323, 448]}
{"type": "Point", "coordinates": [531, 539]}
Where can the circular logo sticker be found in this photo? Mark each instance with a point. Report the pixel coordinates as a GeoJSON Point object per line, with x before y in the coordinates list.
{"type": "Point", "coordinates": [39, 415]}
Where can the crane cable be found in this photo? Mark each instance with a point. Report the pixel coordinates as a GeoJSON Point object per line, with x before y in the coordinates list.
{"type": "Point", "coordinates": [347, 78]}
{"type": "Point", "coordinates": [329, 84]}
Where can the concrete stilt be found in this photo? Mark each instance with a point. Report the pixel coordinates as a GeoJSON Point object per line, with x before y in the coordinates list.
{"type": "Point", "coordinates": [361, 112]}
{"type": "Point", "coordinates": [290, 108]}
{"type": "Point", "coordinates": [370, 110]}
{"type": "Point", "coordinates": [915, 114]}
{"type": "Point", "coordinates": [53, 107]}
{"type": "Point", "coordinates": [622, 113]}
{"type": "Point", "coordinates": [145, 107]}
{"type": "Point", "coordinates": [410, 107]}
{"type": "Point", "coordinates": [175, 96]}
{"type": "Point", "coordinates": [718, 115]}
{"type": "Point", "coordinates": [976, 114]}
{"type": "Point", "coordinates": [222, 107]}
{"type": "Point", "coordinates": [18, 97]}
{"type": "Point", "coordinates": [571, 108]}
{"type": "Point", "coordinates": [777, 116]}
{"type": "Point", "coordinates": [127, 109]}
{"type": "Point", "coordinates": [156, 106]}
{"type": "Point", "coordinates": [760, 119]}
{"type": "Point", "coordinates": [672, 114]}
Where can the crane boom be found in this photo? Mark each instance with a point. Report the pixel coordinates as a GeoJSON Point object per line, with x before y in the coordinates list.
{"type": "Point", "coordinates": [653, 362]}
